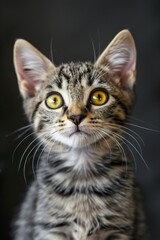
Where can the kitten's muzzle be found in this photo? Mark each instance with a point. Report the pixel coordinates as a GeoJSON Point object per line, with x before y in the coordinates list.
{"type": "Point", "coordinates": [77, 119]}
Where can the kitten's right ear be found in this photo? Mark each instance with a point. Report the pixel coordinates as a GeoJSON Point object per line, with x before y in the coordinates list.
{"type": "Point", "coordinates": [31, 67]}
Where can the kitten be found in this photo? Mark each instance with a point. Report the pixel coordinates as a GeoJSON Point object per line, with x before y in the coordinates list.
{"type": "Point", "coordinates": [83, 189]}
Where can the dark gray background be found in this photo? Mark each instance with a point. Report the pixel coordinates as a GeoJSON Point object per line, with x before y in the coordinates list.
{"type": "Point", "coordinates": [73, 26]}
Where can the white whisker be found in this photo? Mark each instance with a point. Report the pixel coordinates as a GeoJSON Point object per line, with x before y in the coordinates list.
{"type": "Point", "coordinates": [20, 129]}
{"type": "Point", "coordinates": [27, 158]}
{"type": "Point", "coordinates": [121, 149]}
{"type": "Point", "coordinates": [126, 128]}
{"type": "Point", "coordinates": [119, 137]}
{"type": "Point", "coordinates": [20, 144]}
{"type": "Point", "coordinates": [42, 151]}
{"type": "Point", "coordinates": [34, 157]}
{"type": "Point", "coordinates": [144, 128]}
{"type": "Point", "coordinates": [102, 137]}
{"type": "Point", "coordinates": [113, 127]}
{"type": "Point", "coordinates": [19, 166]}
{"type": "Point", "coordinates": [134, 149]}
{"type": "Point", "coordinates": [25, 129]}
{"type": "Point", "coordinates": [51, 50]}
{"type": "Point", "coordinates": [94, 50]}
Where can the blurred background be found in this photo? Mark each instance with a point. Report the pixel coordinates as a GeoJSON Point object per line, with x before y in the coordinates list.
{"type": "Point", "coordinates": [73, 27]}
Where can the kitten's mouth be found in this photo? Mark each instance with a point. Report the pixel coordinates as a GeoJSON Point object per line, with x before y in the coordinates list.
{"type": "Point", "coordinates": [78, 132]}
{"type": "Point", "coordinates": [76, 137]}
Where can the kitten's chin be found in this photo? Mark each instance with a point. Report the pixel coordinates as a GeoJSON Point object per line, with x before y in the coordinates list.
{"type": "Point", "coordinates": [76, 140]}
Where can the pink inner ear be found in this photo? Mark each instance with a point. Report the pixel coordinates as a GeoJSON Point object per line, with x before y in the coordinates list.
{"type": "Point", "coordinates": [122, 65]}
{"type": "Point", "coordinates": [119, 59]}
{"type": "Point", "coordinates": [30, 88]}
{"type": "Point", "coordinates": [130, 65]}
{"type": "Point", "coordinates": [26, 81]}
{"type": "Point", "coordinates": [128, 73]}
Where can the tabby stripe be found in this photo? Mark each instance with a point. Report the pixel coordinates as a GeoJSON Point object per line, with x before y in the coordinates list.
{"type": "Point", "coordinates": [52, 225]}
{"type": "Point", "coordinates": [116, 118]}
{"type": "Point", "coordinates": [107, 165]}
{"type": "Point", "coordinates": [99, 191]}
{"type": "Point", "coordinates": [118, 163]}
{"type": "Point", "coordinates": [67, 77]}
{"type": "Point", "coordinates": [40, 126]}
{"type": "Point", "coordinates": [90, 80]}
{"type": "Point", "coordinates": [59, 80]}
{"type": "Point", "coordinates": [48, 87]}
{"type": "Point", "coordinates": [79, 222]}
{"type": "Point", "coordinates": [99, 170]}
{"type": "Point", "coordinates": [55, 163]}
{"type": "Point", "coordinates": [89, 68]}
{"type": "Point", "coordinates": [122, 105]}
{"type": "Point", "coordinates": [48, 179]}
{"type": "Point", "coordinates": [103, 169]}
{"type": "Point", "coordinates": [80, 77]}
{"type": "Point", "coordinates": [59, 83]}
{"type": "Point", "coordinates": [35, 110]}
{"type": "Point", "coordinates": [64, 170]}
{"type": "Point", "coordinates": [65, 192]}
{"type": "Point", "coordinates": [95, 224]}
{"type": "Point", "coordinates": [117, 228]}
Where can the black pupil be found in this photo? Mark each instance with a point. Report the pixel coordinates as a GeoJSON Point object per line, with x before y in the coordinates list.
{"type": "Point", "coordinates": [99, 97]}
{"type": "Point", "coordinates": [54, 100]}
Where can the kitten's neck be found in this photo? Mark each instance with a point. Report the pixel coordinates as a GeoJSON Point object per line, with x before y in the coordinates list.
{"type": "Point", "coordinates": [82, 161]}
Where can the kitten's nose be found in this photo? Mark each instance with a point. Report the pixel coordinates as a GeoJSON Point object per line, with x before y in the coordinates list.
{"type": "Point", "coordinates": [77, 119]}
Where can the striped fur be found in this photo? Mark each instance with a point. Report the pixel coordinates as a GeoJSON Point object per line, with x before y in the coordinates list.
{"type": "Point", "coordinates": [84, 187]}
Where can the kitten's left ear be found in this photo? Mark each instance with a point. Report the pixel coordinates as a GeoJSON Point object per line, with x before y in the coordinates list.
{"type": "Point", "coordinates": [31, 67]}
{"type": "Point", "coordinates": [120, 59]}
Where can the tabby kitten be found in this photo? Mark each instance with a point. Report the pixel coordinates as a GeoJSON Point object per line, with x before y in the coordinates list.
{"type": "Point", "coordinates": [84, 187]}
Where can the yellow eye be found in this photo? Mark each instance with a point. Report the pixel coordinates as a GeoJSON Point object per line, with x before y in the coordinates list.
{"type": "Point", "coordinates": [54, 101]}
{"type": "Point", "coordinates": [99, 97]}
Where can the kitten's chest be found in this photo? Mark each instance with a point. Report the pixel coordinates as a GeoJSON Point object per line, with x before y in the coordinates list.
{"type": "Point", "coordinates": [81, 184]}
{"type": "Point", "coordinates": [81, 160]}
{"type": "Point", "coordinates": [78, 194]}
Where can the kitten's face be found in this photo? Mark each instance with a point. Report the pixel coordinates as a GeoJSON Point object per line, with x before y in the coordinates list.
{"type": "Point", "coordinates": [77, 104]}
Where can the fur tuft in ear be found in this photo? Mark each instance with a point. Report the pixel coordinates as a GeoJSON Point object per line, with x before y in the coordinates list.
{"type": "Point", "coordinates": [120, 59]}
{"type": "Point", "coordinates": [31, 67]}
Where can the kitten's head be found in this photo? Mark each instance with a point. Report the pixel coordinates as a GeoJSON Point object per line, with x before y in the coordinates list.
{"type": "Point", "coordinates": [77, 104]}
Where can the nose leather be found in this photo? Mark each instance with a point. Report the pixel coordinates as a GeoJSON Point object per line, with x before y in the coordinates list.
{"type": "Point", "coordinates": [77, 119]}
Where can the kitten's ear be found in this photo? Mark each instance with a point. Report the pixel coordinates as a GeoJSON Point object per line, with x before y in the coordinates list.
{"type": "Point", "coordinates": [120, 59]}
{"type": "Point", "coordinates": [31, 67]}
